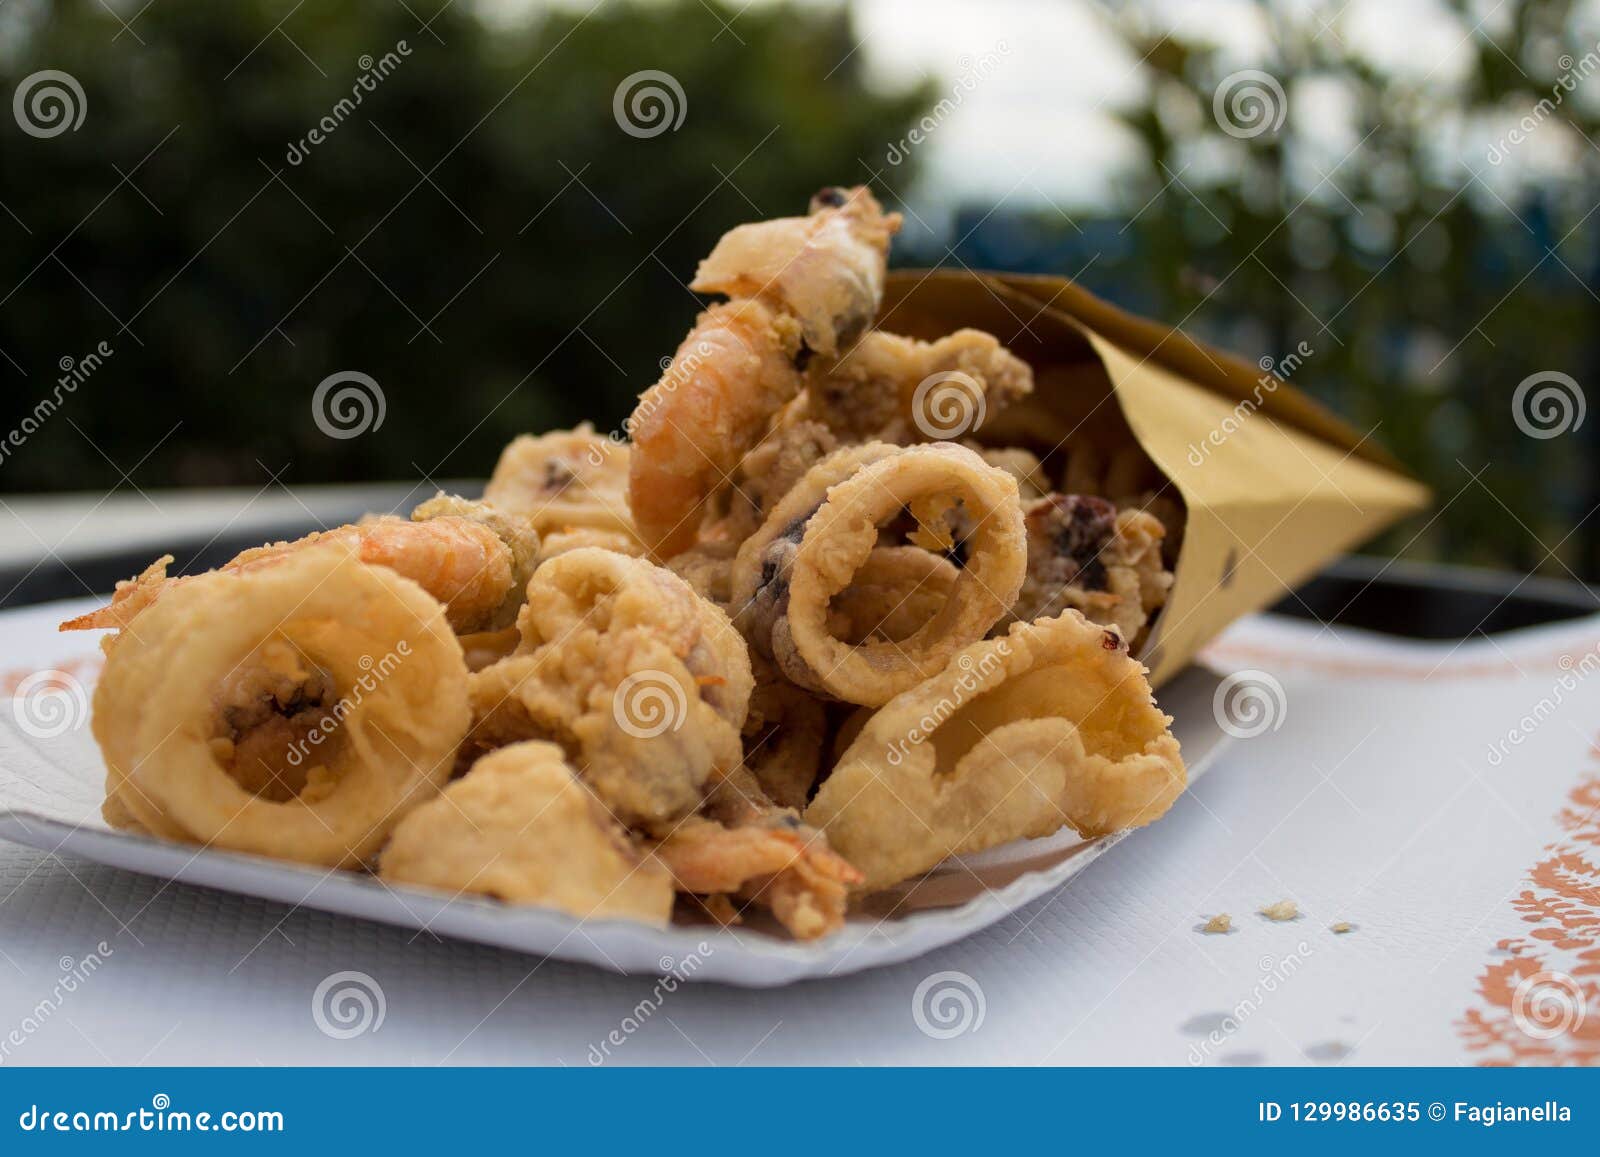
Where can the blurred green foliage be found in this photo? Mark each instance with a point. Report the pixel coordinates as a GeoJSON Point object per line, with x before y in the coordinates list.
{"type": "Point", "coordinates": [479, 235]}
{"type": "Point", "coordinates": [1429, 272]}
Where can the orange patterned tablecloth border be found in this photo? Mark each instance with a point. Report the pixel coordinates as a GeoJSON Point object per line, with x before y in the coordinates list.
{"type": "Point", "coordinates": [1539, 1003]}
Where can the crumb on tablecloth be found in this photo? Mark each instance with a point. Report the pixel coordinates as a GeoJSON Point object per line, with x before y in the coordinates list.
{"type": "Point", "coordinates": [1282, 910]}
{"type": "Point", "coordinates": [1218, 924]}
{"type": "Point", "coordinates": [1342, 927]}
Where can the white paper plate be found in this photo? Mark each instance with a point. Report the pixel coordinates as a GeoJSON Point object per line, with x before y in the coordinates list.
{"type": "Point", "coordinates": [50, 792]}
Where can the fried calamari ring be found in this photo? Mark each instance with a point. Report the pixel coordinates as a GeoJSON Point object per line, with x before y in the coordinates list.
{"type": "Point", "coordinates": [563, 479]}
{"type": "Point", "coordinates": [521, 827]}
{"type": "Point", "coordinates": [643, 683]}
{"type": "Point", "coordinates": [228, 668]}
{"type": "Point", "coordinates": [1053, 724]}
{"type": "Point", "coordinates": [896, 590]}
{"type": "Point", "coordinates": [785, 606]}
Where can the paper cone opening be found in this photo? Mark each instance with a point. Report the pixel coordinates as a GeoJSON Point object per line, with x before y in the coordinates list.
{"type": "Point", "coordinates": [1259, 485]}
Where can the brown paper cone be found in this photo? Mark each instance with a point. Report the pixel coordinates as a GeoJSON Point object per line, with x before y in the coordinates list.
{"type": "Point", "coordinates": [1274, 485]}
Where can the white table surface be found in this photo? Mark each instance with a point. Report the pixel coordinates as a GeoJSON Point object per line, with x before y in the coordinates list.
{"type": "Point", "coordinates": [1374, 802]}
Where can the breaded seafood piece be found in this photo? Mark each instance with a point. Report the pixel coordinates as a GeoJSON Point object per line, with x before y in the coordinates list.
{"type": "Point", "coordinates": [522, 828]}
{"type": "Point", "coordinates": [296, 710]}
{"type": "Point", "coordinates": [564, 479]}
{"type": "Point", "coordinates": [746, 848]}
{"type": "Point", "coordinates": [899, 389]}
{"type": "Point", "coordinates": [1085, 554]}
{"type": "Point", "coordinates": [807, 554]}
{"type": "Point", "coordinates": [459, 560]}
{"type": "Point", "coordinates": [826, 269]}
{"type": "Point", "coordinates": [731, 374]}
{"type": "Point", "coordinates": [1050, 725]}
{"type": "Point", "coordinates": [644, 684]}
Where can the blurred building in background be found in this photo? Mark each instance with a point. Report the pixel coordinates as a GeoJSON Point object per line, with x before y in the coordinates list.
{"type": "Point", "coordinates": [497, 235]}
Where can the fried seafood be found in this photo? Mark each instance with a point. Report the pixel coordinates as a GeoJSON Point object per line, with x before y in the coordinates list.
{"type": "Point", "coordinates": [788, 575]}
{"type": "Point", "coordinates": [297, 710]}
{"type": "Point", "coordinates": [643, 683]}
{"type": "Point", "coordinates": [732, 373]}
{"type": "Point", "coordinates": [898, 389]}
{"type": "Point", "coordinates": [825, 270]}
{"type": "Point", "coordinates": [563, 479]}
{"type": "Point", "coordinates": [845, 603]}
{"type": "Point", "coordinates": [1050, 725]}
{"type": "Point", "coordinates": [458, 559]}
{"type": "Point", "coordinates": [521, 827]}
{"type": "Point", "coordinates": [749, 849]}
{"type": "Point", "coordinates": [896, 590]}
{"type": "Point", "coordinates": [1085, 554]}
{"type": "Point", "coordinates": [554, 543]}
{"type": "Point", "coordinates": [785, 735]}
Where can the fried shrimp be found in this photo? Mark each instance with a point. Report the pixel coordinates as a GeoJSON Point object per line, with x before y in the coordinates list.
{"type": "Point", "coordinates": [1085, 554]}
{"type": "Point", "coordinates": [806, 555]}
{"type": "Point", "coordinates": [826, 269]}
{"type": "Point", "coordinates": [521, 827]}
{"type": "Point", "coordinates": [747, 848]}
{"type": "Point", "coordinates": [644, 684]}
{"type": "Point", "coordinates": [297, 710]}
{"type": "Point", "coordinates": [564, 479]}
{"type": "Point", "coordinates": [458, 560]}
{"type": "Point", "coordinates": [732, 373]}
{"type": "Point", "coordinates": [901, 390]}
{"type": "Point", "coordinates": [1053, 724]}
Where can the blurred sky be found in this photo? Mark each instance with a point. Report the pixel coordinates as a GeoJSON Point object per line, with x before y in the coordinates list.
{"type": "Point", "coordinates": [1036, 131]}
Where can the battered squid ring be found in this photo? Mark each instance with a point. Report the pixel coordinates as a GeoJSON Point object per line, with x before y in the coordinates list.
{"type": "Point", "coordinates": [378, 641]}
{"type": "Point", "coordinates": [837, 540]}
{"type": "Point", "coordinates": [1052, 724]}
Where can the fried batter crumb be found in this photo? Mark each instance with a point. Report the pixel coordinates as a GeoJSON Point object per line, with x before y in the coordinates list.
{"type": "Point", "coordinates": [1342, 927]}
{"type": "Point", "coordinates": [1282, 910]}
{"type": "Point", "coordinates": [1218, 925]}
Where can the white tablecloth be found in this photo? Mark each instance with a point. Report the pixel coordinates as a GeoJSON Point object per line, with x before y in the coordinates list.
{"type": "Point", "coordinates": [1433, 797]}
